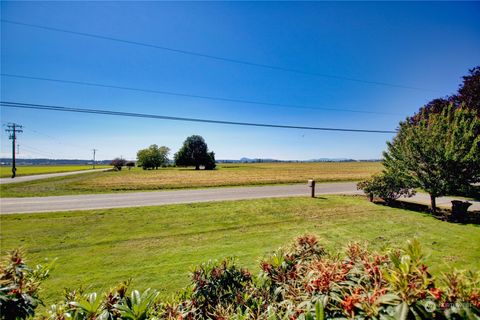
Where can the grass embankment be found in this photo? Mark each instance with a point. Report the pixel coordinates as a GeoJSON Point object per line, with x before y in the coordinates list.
{"type": "Point", "coordinates": [6, 171]}
{"type": "Point", "coordinates": [177, 178]}
{"type": "Point", "coordinates": [157, 246]}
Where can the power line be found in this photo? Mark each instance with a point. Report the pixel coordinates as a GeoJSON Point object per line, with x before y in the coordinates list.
{"type": "Point", "coordinates": [101, 85]}
{"type": "Point", "coordinates": [214, 57]}
{"type": "Point", "coordinates": [37, 151]}
{"type": "Point", "coordinates": [53, 138]}
{"type": "Point", "coordinates": [153, 116]}
{"type": "Point", "coordinates": [56, 140]}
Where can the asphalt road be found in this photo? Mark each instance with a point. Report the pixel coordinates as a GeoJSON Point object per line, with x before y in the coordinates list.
{"type": "Point", "coordinates": [45, 176]}
{"type": "Point", "coordinates": [139, 199]}
{"type": "Point", "coordinates": [154, 198]}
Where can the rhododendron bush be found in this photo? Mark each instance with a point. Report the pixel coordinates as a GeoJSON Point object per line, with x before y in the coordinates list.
{"type": "Point", "coordinates": [302, 281]}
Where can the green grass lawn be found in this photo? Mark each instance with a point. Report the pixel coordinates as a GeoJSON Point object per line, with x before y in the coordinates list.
{"type": "Point", "coordinates": [178, 178]}
{"type": "Point", "coordinates": [6, 171]}
{"type": "Point", "coordinates": [157, 246]}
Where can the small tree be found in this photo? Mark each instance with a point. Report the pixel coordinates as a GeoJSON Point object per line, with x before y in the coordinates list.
{"type": "Point", "coordinates": [386, 186]}
{"type": "Point", "coordinates": [210, 161]}
{"type": "Point", "coordinates": [118, 163]}
{"type": "Point", "coordinates": [440, 153]}
{"type": "Point", "coordinates": [130, 165]}
{"type": "Point", "coordinates": [194, 152]}
{"type": "Point", "coordinates": [153, 157]}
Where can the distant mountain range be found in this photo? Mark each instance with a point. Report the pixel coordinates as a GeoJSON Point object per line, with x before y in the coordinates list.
{"type": "Point", "coordinates": [259, 160]}
{"type": "Point", "coordinates": [45, 161]}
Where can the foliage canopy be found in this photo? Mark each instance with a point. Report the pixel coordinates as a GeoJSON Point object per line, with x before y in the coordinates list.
{"type": "Point", "coordinates": [153, 157]}
{"type": "Point", "coordinates": [194, 152]}
{"type": "Point", "coordinates": [386, 186]}
{"type": "Point", "coordinates": [440, 153]}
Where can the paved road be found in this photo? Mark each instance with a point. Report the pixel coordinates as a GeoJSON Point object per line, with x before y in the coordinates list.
{"type": "Point", "coordinates": [138, 199]}
{"type": "Point", "coordinates": [46, 176]}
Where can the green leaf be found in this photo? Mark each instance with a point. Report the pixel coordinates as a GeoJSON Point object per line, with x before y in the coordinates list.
{"type": "Point", "coordinates": [319, 310]}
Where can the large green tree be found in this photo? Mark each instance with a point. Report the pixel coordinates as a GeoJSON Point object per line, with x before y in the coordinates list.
{"type": "Point", "coordinates": [439, 152]}
{"type": "Point", "coordinates": [153, 157]}
{"type": "Point", "coordinates": [194, 152]}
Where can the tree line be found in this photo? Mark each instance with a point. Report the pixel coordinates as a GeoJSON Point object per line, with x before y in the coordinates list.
{"type": "Point", "coordinates": [194, 152]}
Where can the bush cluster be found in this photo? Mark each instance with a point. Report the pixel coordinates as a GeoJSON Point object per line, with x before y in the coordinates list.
{"type": "Point", "coordinates": [302, 281]}
{"type": "Point", "coordinates": [19, 286]}
{"type": "Point", "coordinates": [118, 163]}
{"type": "Point", "coordinates": [386, 186]}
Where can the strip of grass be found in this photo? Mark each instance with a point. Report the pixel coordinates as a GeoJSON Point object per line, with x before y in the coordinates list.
{"type": "Point", "coordinates": [178, 178]}
{"type": "Point", "coordinates": [6, 171]}
{"type": "Point", "coordinates": [157, 246]}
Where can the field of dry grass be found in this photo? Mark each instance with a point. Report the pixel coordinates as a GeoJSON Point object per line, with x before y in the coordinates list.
{"type": "Point", "coordinates": [234, 175]}
{"type": "Point", "coordinates": [179, 178]}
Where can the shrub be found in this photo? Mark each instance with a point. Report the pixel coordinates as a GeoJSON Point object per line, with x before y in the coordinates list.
{"type": "Point", "coordinates": [301, 281]}
{"type": "Point", "coordinates": [19, 286]}
{"type": "Point", "coordinates": [130, 165]}
{"type": "Point", "coordinates": [118, 163]}
{"type": "Point", "coordinates": [385, 186]}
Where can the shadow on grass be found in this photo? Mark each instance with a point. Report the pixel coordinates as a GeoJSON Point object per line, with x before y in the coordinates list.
{"type": "Point", "coordinates": [471, 217]}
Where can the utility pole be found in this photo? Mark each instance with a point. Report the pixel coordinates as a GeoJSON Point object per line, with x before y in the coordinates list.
{"type": "Point", "coordinates": [13, 129]}
{"type": "Point", "coordinates": [94, 151]}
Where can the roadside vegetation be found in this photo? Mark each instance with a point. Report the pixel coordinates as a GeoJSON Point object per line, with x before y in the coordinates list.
{"type": "Point", "coordinates": [301, 281]}
{"type": "Point", "coordinates": [158, 246]}
{"type": "Point", "coordinates": [6, 171]}
{"type": "Point", "coordinates": [236, 174]}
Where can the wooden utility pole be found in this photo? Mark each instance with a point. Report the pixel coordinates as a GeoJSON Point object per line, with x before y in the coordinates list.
{"type": "Point", "coordinates": [13, 129]}
{"type": "Point", "coordinates": [94, 151]}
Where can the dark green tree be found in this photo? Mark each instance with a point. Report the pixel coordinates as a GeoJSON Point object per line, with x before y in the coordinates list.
{"type": "Point", "coordinates": [194, 152]}
{"type": "Point", "coordinates": [439, 153]}
{"type": "Point", "coordinates": [130, 165]}
{"type": "Point", "coordinates": [153, 157]}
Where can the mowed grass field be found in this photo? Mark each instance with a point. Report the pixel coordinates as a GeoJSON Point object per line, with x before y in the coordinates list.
{"type": "Point", "coordinates": [6, 171]}
{"type": "Point", "coordinates": [177, 178]}
{"type": "Point", "coordinates": [158, 246]}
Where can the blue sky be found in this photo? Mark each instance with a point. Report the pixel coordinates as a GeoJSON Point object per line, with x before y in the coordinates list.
{"type": "Point", "coordinates": [426, 45]}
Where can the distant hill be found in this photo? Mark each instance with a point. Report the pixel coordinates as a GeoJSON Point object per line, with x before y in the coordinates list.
{"type": "Point", "coordinates": [258, 160]}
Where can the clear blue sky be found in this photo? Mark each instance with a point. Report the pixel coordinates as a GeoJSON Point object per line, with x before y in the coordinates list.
{"type": "Point", "coordinates": [427, 45]}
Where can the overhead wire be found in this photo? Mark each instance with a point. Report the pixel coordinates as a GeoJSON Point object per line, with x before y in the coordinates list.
{"type": "Point", "coordinates": [10, 104]}
{"type": "Point", "coordinates": [214, 57]}
{"type": "Point", "coordinates": [181, 94]}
